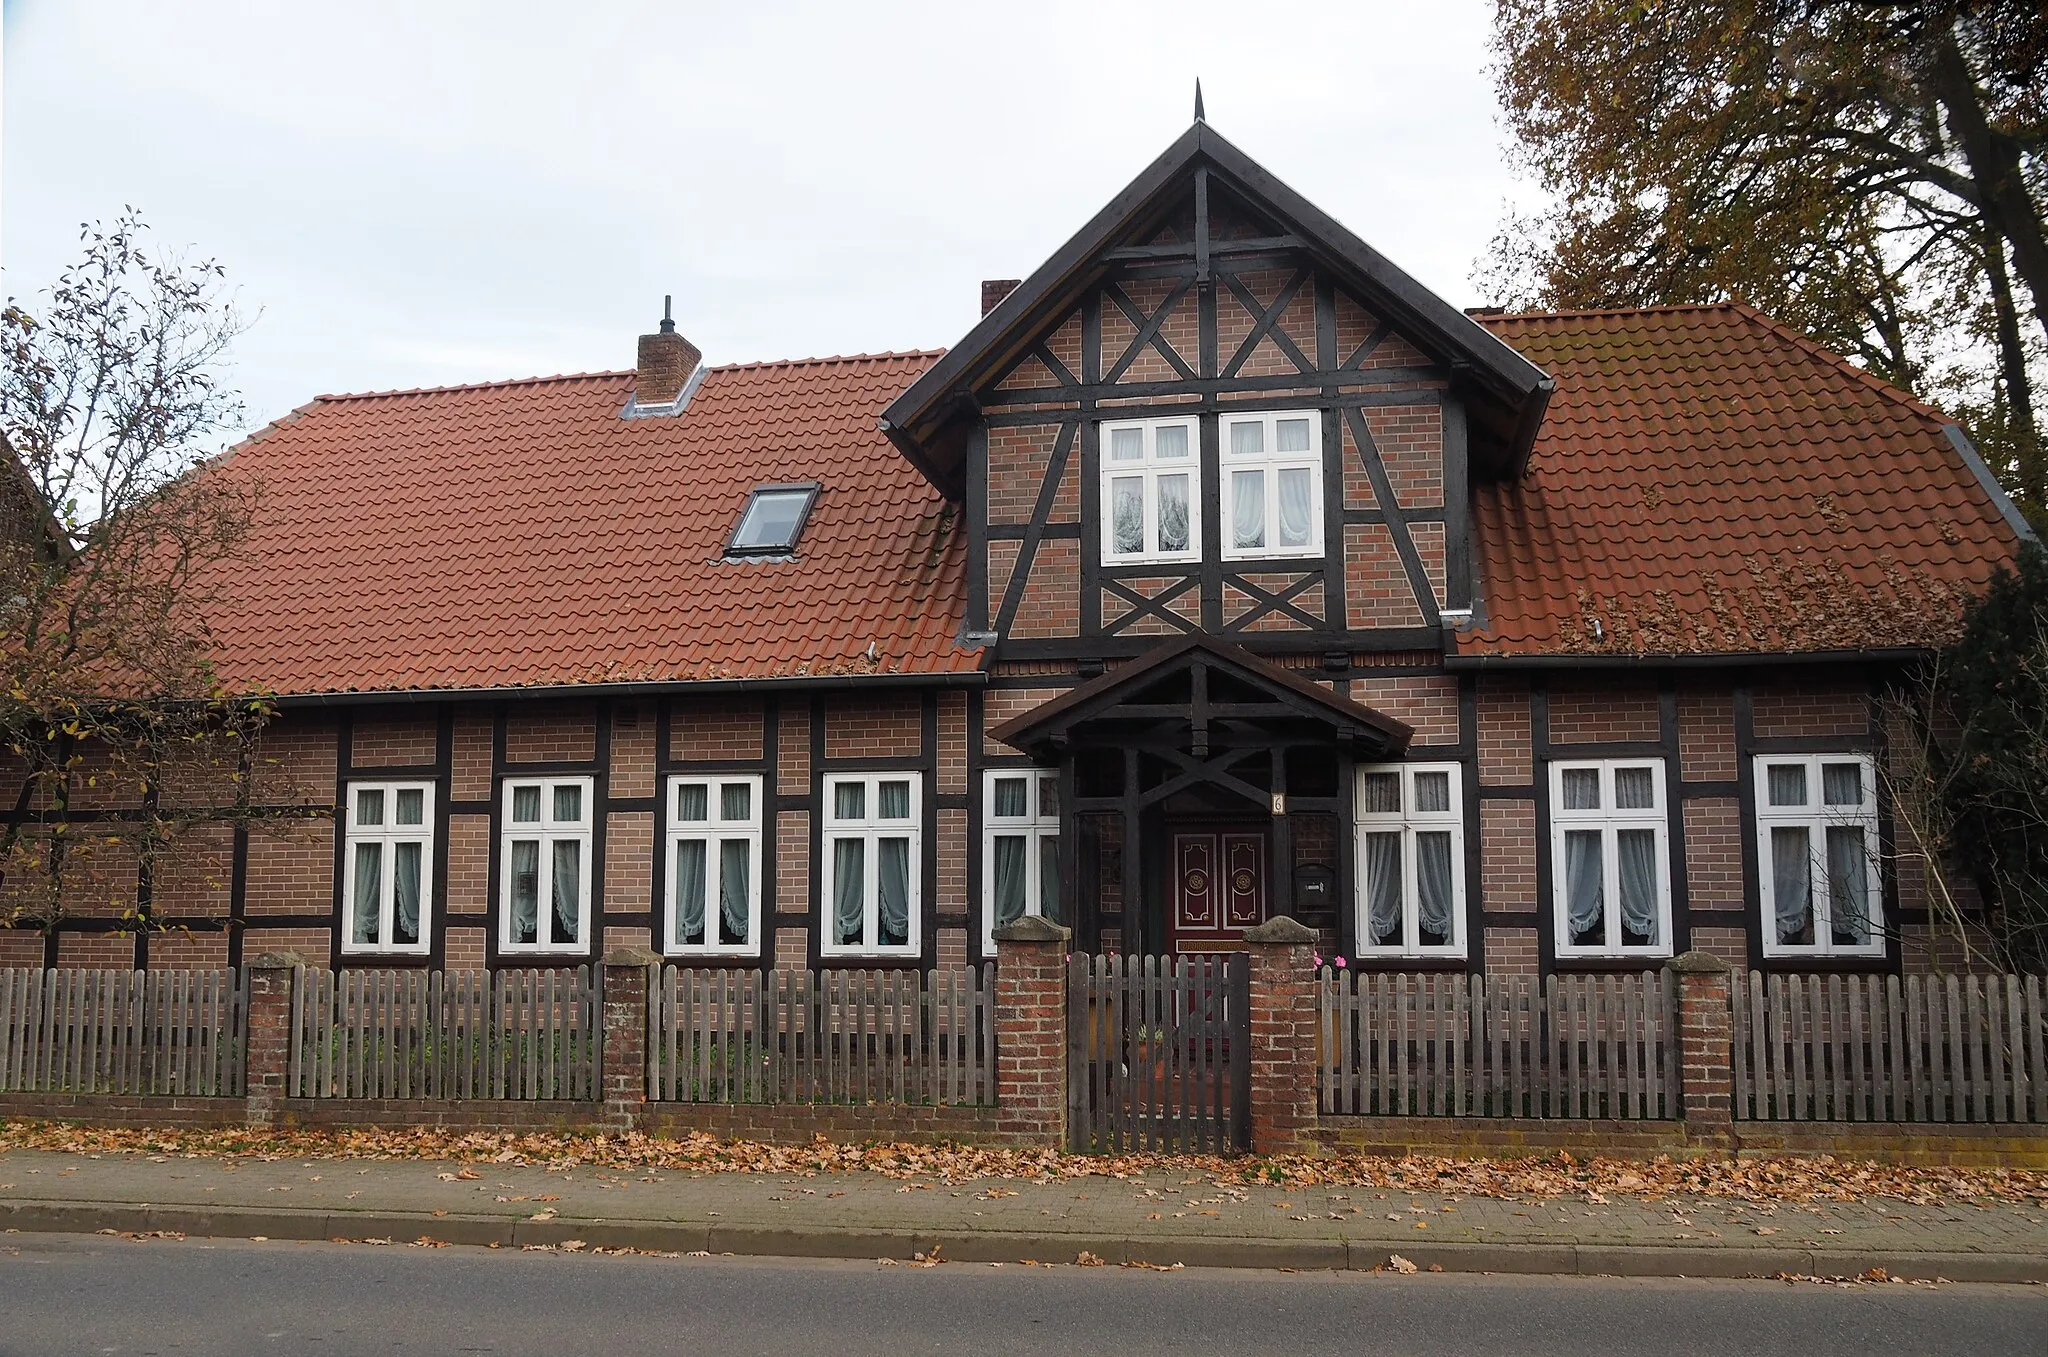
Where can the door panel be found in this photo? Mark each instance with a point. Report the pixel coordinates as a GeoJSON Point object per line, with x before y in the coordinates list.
{"type": "Point", "coordinates": [1218, 887]}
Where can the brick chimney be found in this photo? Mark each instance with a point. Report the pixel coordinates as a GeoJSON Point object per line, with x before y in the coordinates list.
{"type": "Point", "coordinates": [993, 290]}
{"type": "Point", "coordinates": [666, 362]}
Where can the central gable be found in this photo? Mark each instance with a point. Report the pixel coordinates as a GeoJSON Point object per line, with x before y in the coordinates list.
{"type": "Point", "coordinates": [1204, 204]}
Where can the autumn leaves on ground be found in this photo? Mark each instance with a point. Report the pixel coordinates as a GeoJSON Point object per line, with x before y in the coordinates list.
{"type": "Point", "coordinates": [1556, 1175]}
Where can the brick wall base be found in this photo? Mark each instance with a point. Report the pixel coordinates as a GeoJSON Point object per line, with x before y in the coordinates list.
{"type": "Point", "coordinates": [775, 1123]}
{"type": "Point", "coordinates": [2014, 1147]}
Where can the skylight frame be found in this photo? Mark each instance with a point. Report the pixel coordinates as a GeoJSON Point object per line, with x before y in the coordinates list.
{"type": "Point", "coordinates": [809, 490]}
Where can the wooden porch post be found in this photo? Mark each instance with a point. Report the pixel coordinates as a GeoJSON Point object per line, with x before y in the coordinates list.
{"type": "Point", "coordinates": [1135, 940]}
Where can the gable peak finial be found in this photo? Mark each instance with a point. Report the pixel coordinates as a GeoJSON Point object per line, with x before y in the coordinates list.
{"type": "Point", "coordinates": [668, 320]}
{"type": "Point", "coordinates": [1199, 116]}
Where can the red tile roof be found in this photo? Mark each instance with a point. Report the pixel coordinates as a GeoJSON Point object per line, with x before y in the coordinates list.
{"type": "Point", "coordinates": [523, 533]}
{"type": "Point", "coordinates": [1707, 481]}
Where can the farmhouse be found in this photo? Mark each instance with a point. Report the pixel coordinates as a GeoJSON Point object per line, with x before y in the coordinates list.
{"type": "Point", "coordinates": [1220, 573]}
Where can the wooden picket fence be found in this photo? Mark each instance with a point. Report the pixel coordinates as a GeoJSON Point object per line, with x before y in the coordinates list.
{"type": "Point", "coordinates": [801, 1036]}
{"type": "Point", "coordinates": [1918, 1048]}
{"type": "Point", "coordinates": [162, 1032]}
{"type": "Point", "coordinates": [1580, 1046]}
{"type": "Point", "coordinates": [1159, 1053]}
{"type": "Point", "coordinates": [522, 1034]}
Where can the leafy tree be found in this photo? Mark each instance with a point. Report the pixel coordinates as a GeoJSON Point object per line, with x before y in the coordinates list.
{"type": "Point", "coordinates": [110, 399]}
{"type": "Point", "coordinates": [1871, 171]}
{"type": "Point", "coordinates": [1990, 742]}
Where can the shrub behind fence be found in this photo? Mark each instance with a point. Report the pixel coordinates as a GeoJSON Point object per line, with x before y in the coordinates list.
{"type": "Point", "coordinates": [732, 1036]}
{"type": "Point", "coordinates": [1499, 1046]}
{"type": "Point", "coordinates": [445, 1034]}
{"type": "Point", "coordinates": [162, 1032]}
{"type": "Point", "coordinates": [1918, 1048]}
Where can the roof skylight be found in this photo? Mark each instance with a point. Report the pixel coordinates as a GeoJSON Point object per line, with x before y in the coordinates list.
{"type": "Point", "coordinates": [772, 521]}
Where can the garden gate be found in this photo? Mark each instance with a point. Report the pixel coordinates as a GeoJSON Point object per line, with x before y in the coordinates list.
{"type": "Point", "coordinates": [1159, 1053]}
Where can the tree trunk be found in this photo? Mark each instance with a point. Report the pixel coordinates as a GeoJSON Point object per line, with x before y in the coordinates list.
{"type": "Point", "coordinates": [1994, 161]}
{"type": "Point", "coordinates": [2013, 375]}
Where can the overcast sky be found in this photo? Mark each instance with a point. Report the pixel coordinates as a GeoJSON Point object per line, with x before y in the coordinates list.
{"type": "Point", "coordinates": [429, 192]}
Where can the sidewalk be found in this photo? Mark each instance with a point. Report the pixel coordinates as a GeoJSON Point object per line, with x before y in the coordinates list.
{"type": "Point", "coordinates": [1158, 1218]}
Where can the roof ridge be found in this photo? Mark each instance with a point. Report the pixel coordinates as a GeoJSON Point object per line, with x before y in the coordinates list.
{"type": "Point", "coordinates": [472, 386]}
{"type": "Point", "coordinates": [615, 374]}
{"type": "Point", "coordinates": [882, 356]}
{"type": "Point", "coordinates": [1574, 312]}
{"type": "Point", "coordinates": [1816, 349]}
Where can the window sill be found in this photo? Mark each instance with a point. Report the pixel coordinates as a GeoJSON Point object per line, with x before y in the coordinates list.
{"type": "Point", "coordinates": [1829, 961]}
{"type": "Point", "coordinates": [1630, 961]}
{"type": "Point", "coordinates": [1195, 559]}
{"type": "Point", "coordinates": [1388, 961]}
{"type": "Point", "coordinates": [1290, 554]}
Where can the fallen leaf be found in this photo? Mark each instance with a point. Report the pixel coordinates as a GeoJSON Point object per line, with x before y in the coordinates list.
{"type": "Point", "coordinates": [1400, 1264]}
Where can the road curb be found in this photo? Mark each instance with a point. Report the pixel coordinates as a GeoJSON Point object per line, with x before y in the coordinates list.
{"type": "Point", "coordinates": [1003, 1246]}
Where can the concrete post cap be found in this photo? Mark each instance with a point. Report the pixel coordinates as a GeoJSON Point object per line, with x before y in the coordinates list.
{"type": "Point", "coordinates": [276, 961]}
{"type": "Point", "coordinates": [1697, 963]}
{"type": "Point", "coordinates": [1281, 931]}
{"type": "Point", "coordinates": [1033, 928]}
{"type": "Point", "coordinates": [632, 956]}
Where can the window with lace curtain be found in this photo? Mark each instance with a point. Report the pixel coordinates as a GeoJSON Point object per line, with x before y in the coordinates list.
{"type": "Point", "coordinates": [1020, 849]}
{"type": "Point", "coordinates": [1610, 868]}
{"type": "Point", "coordinates": [544, 873]}
{"type": "Point", "coordinates": [1817, 858]}
{"type": "Point", "coordinates": [713, 905]}
{"type": "Point", "coordinates": [868, 890]}
{"type": "Point", "coordinates": [1410, 860]}
{"type": "Point", "coordinates": [387, 868]}
{"type": "Point", "coordinates": [1272, 468]}
{"type": "Point", "coordinates": [1151, 490]}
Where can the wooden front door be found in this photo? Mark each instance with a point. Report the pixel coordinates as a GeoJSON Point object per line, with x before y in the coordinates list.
{"type": "Point", "coordinates": [1219, 886]}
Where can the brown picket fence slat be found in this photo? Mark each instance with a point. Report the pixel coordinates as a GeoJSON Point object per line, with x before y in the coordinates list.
{"type": "Point", "coordinates": [1438, 1045]}
{"type": "Point", "coordinates": [409, 1034]}
{"type": "Point", "coordinates": [1917, 1048]}
{"type": "Point", "coordinates": [721, 1035]}
{"type": "Point", "coordinates": [175, 1032]}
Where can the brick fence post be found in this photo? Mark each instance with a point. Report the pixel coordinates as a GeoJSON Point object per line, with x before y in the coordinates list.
{"type": "Point", "coordinates": [1706, 1058]}
{"type": "Point", "coordinates": [1031, 1031]}
{"type": "Point", "coordinates": [1283, 1031]}
{"type": "Point", "coordinates": [628, 979]}
{"type": "Point", "coordinates": [267, 1035]}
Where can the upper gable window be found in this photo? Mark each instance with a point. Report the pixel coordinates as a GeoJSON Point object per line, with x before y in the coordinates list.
{"type": "Point", "coordinates": [772, 520]}
{"type": "Point", "coordinates": [1272, 485]}
{"type": "Point", "coordinates": [1150, 508]}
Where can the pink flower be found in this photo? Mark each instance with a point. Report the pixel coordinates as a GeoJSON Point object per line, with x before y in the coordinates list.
{"type": "Point", "coordinates": [1340, 963]}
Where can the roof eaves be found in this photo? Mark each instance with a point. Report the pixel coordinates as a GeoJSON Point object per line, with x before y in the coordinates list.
{"type": "Point", "coordinates": [939, 678]}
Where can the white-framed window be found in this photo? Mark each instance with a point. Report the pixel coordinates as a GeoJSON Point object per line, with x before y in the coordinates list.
{"type": "Point", "coordinates": [1020, 849]}
{"type": "Point", "coordinates": [1610, 858]}
{"type": "Point", "coordinates": [1272, 484]}
{"type": "Point", "coordinates": [1151, 490]}
{"type": "Point", "coordinates": [713, 904]}
{"type": "Point", "coordinates": [1817, 846]}
{"type": "Point", "coordinates": [545, 865]}
{"type": "Point", "coordinates": [387, 868]}
{"type": "Point", "coordinates": [868, 891]}
{"type": "Point", "coordinates": [1411, 860]}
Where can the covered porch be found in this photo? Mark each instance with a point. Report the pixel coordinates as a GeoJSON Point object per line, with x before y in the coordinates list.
{"type": "Point", "coordinates": [1203, 790]}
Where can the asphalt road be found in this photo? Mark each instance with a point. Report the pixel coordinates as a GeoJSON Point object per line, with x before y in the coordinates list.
{"type": "Point", "coordinates": [70, 1294]}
